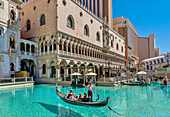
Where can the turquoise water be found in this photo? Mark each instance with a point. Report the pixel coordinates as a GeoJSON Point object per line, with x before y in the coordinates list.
{"type": "Point", "coordinates": [42, 101]}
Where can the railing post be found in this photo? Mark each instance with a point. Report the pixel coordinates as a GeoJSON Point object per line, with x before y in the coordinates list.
{"type": "Point", "coordinates": [31, 78]}
{"type": "Point", "coordinates": [14, 79]}
{"type": "Point", "coordinates": [26, 79]}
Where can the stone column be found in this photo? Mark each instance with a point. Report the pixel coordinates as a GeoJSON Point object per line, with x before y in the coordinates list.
{"type": "Point", "coordinates": [48, 72]}
{"type": "Point", "coordinates": [78, 50]}
{"type": "Point", "coordinates": [52, 47]}
{"type": "Point", "coordinates": [81, 52]}
{"type": "Point", "coordinates": [74, 49]}
{"type": "Point", "coordinates": [48, 49]}
{"type": "Point", "coordinates": [78, 71]}
{"type": "Point", "coordinates": [104, 75]}
{"type": "Point", "coordinates": [71, 75]}
{"type": "Point", "coordinates": [24, 49]}
{"type": "Point", "coordinates": [64, 73]}
{"type": "Point", "coordinates": [84, 51]}
{"type": "Point", "coordinates": [40, 72]}
{"type": "Point", "coordinates": [30, 49]}
{"type": "Point", "coordinates": [71, 49]}
{"type": "Point", "coordinates": [57, 47]}
{"type": "Point", "coordinates": [62, 46]}
{"type": "Point", "coordinates": [57, 71]}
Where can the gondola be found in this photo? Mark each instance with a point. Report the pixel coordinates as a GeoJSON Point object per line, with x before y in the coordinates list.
{"type": "Point", "coordinates": [91, 104]}
{"type": "Point", "coordinates": [133, 84]}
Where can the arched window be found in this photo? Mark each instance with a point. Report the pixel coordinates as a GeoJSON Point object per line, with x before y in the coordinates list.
{"type": "Point", "coordinates": [32, 49]}
{"type": "Point", "coordinates": [28, 25]}
{"type": "Point", "coordinates": [112, 43]}
{"type": "Point", "coordinates": [69, 49]}
{"type": "Point", "coordinates": [12, 43]}
{"type": "Point", "coordinates": [55, 45]}
{"type": "Point", "coordinates": [98, 36]}
{"type": "Point", "coordinates": [42, 20]}
{"type": "Point", "coordinates": [117, 46]}
{"type": "Point", "coordinates": [12, 14]}
{"type": "Point", "coordinates": [70, 22]}
{"type": "Point", "coordinates": [72, 48]}
{"type": "Point", "coordinates": [44, 69]}
{"type": "Point", "coordinates": [27, 47]}
{"type": "Point", "coordinates": [42, 48]}
{"type": "Point", "coordinates": [65, 46]}
{"type": "Point", "coordinates": [79, 50]}
{"type": "Point", "coordinates": [46, 47]}
{"type": "Point", "coordinates": [12, 67]}
{"type": "Point", "coordinates": [50, 47]}
{"type": "Point", "coordinates": [22, 47]}
{"type": "Point", "coordinates": [85, 52]}
{"type": "Point", "coordinates": [60, 45]}
{"type": "Point", "coordinates": [122, 48]}
{"type": "Point", "coordinates": [82, 50]}
{"type": "Point", "coordinates": [86, 30]}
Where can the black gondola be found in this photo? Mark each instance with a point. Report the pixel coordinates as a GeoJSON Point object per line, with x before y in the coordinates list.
{"type": "Point", "coordinates": [80, 103]}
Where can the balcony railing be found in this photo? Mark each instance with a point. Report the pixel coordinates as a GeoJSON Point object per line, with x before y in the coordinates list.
{"type": "Point", "coordinates": [71, 54]}
{"type": "Point", "coordinates": [28, 53]}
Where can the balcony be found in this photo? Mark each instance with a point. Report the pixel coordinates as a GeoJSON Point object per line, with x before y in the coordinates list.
{"type": "Point", "coordinates": [28, 48]}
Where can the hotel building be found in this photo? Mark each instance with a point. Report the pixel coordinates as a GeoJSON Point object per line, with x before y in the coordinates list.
{"type": "Point", "coordinates": [72, 36]}
{"type": "Point", "coordinates": [137, 48]}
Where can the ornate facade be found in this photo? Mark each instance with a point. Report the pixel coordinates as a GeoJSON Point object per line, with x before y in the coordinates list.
{"type": "Point", "coordinates": [9, 36]}
{"type": "Point", "coordinates": [71, 37]}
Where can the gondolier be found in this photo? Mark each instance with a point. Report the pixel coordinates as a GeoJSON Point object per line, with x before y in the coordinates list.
{"type": "Point", "coordinates": [90, 92]}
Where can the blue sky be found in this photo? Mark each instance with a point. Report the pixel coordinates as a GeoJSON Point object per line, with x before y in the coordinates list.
{"type": "Point", "coordinates": [147, 16]}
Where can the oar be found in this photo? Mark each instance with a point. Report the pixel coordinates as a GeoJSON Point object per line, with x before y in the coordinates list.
{"type": "Point", "coordinates": [107, 104]}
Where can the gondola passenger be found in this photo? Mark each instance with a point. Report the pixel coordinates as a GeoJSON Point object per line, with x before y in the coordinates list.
{"type": "Point", "coordinates": [85, 98]}
{"type": "Point", "coordinates": [70, 95]}
{"type": "Point", "coordinates": [79, 98]}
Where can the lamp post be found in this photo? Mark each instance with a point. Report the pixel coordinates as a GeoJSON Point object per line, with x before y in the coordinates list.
{"type": "Point", "coordinates": [133, 74]}
{"type": "Point", "coordinates": [129, 69]}
{"type": "Point", "coordinates": [120, 74]}
{"type": "Point", "coordinates": [108, 62]}
{"type": "Point", "coordinates": [151, 73]}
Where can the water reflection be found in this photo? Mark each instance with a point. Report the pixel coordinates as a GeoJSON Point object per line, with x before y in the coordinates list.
{"type": "Point", "coordinates": [60, 111]}
{"type": "Point", "coordinates": [17, 90]}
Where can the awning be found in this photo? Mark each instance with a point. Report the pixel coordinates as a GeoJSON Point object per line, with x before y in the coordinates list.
{"type": "Point", "coordinates": [141, 73]}
{"type": "Point", "coordinates": [76, 74]}
{"type": "Point", "coordinates": [91, 74]}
